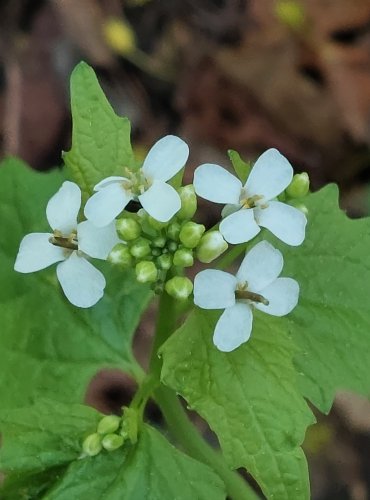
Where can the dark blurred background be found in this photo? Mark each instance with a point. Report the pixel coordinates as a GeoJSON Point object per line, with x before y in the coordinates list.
{"type": "Point", "coordinates": [222, 74]}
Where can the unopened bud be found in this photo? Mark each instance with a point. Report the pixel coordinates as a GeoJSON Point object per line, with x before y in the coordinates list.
{"type": "Point", "coordinates": [92, 445]}
{"type": "Point", "coordinates": [173, 231]}
{"type": "Point", "coordinates": [183, 257]}
{"type": "Point", "coordinates": [164, 261]}
{"type": "Point", "coordinates": [128, 229]}
{"type": "Point", "coordinates": [172, 246]}
{"type": "Point", "coordinates": [299, 186]}
{"type": "Point", "coordinates": [188, 202]}
{"type": "Point", "coordinates": [156, 224]}
{"type": "Point", "coordinates": [211, 246]}
{"type": "Point", "coordinates": [146, 272]}
{"type": "Point", "coordinates": [140, 248]}
{"type": "Point", "coordinates": [159, 242]}
{"type": "Point", "coordinates": [179, 287]}
{"type": "Point", "coordinates": [120, 255]}
{"type": "Point", "coordinates": [109, 424]}
{"type": "Point", "coordinates": [191, 233]}
{"type": "Point", "coordinates": [111, 442]}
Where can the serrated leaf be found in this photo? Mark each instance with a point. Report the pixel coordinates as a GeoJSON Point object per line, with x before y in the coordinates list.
{"type": "Point", "coordinates": [241, 167]}
{"type": "Point", "coordinates": [153, 469]}
{"type": "Point", "coordinates": [55, 347]}
{"type": "Point", "coordinates": [331, 326]}
{"type": "Point", "coordinates": [249, 397]}
{"type": "Point", "coordinates": [101, 144]}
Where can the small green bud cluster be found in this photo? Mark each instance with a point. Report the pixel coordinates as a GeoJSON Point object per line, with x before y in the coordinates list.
{"type": "Point", "coordinates": [155, 249]}
{"type": "Point", "coordinates": [297, 189]}
{"type": "Point", "coordinates": [111, 433]}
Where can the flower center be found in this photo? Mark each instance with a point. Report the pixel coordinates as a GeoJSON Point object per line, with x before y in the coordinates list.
{"type": "Point", "coordinates": [70, 242]}
{"type": "Point", "coordinates": [251, 201]}
{"type": "Point", "coordinates": [242, 293]}
{"type": "Point", "coordinates": [135, 183]}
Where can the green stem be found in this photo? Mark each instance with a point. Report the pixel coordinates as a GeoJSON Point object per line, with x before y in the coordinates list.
{"type": "Point", "coordinates": [194, 445]}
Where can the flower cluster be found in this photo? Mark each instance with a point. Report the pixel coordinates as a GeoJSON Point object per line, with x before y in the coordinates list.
{"type": "Point", "coordinates": [161, 238]}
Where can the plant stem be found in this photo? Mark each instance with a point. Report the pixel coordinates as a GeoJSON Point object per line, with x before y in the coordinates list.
{"type": "Point", "coordinates": [194, 445]}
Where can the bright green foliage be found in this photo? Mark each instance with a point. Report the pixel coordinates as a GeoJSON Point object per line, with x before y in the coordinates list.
{"type": "Point", "coordinates": [100, 139]}
{"type": "Point", "coordinates": [40, 437]}
{"type": "Point", "coordinates": [241, 167]}
{"type": "Point", "coordinates": [331, 326]}
{"type": "Point", "coordinates": [152, 469]}
{"type": "Point", "coordinates": [49, 347]}
{"type": "Point", "coordinates": [249, 397]}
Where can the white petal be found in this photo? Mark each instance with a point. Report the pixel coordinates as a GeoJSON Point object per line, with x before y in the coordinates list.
{"type": "Point", "coordinates": [229, 209]}
{"type": "Point", "coordinates": [282, 295]}
{"type": "Point", "coordinates": [216, 184]}
{"type": "Point", "coordinates": [165, 158]}
{"type": "Point", "coordinates": [214, 289]}
{"type": "Point", "coordinates": [233, 328]}
{"type": "Point", "coordinates": [261, 266]}
{"type": "Point", "coordinates": [62, 209]}
{"type": "Point", "coordinates": [82, 283]}
{"type": "Point", "coordinates": [239, 227]}
{"type": "Point", "coordinates": [161, 201]}
{"type": "Point", "coordinates": [108, 181]}
{"type": "Point", "coordinates": [95, 241]}
{"type": "Point", "coordinates": [285, 222]}
{"type": "Point", "coordinates": [270, 175]}
{"type": "Point", "coordinates": [106, 204]}
{"type": "Point", "coordinates": [36, 252]}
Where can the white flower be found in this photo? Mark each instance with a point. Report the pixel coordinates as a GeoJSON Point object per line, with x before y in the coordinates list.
{"type": "Point", "coordinates": [256, 284]}
{"type": "Point", "coordinates": [251, 204]}
{"type": "Point", "coordinates": [69, 244]}
{"type": "Point", "coordinates": [148, 185]}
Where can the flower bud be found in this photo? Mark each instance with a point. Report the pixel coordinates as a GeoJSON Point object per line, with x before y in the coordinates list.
{"type": "Point", "coordinates": [188, 202]}
{"type": "Point", "coordinates": [191, 233]}
{"type": "Point", "coordinates": [183, 257]}
{"type": "Point", "coordinates": [299, 186]}
{"type": "Point", "coordinates": [156, 224]}
{"type": "Point", "coordinates": [128, 229]}
{"type": "Point", "coordinates": [211, 246]}
{"type": "Point", "coordinates": [92, 445]}
{"type": "Point", "coordinates": [111, 442]}
{"type": "Point", "coordinates": [172, 246]}
{"type": "Point", "coordinates": [146, 272]}
{"type": "Point", "coordinates": [173, 231]}
{"type": "Point", "coordinates": [140, 248]}
{"type": "Point", "coordinates": [109, 424]}
{"type": "Point", "coordinates": [159, 242]}
{"type": "Point", "coordinates": [120, 255]}
{"type": "Point", "coordinates": [164, 261]}
{"type": "Point", "coordinates": [156, 252]}
{"type": "Point", "coordinates": [179, 287]}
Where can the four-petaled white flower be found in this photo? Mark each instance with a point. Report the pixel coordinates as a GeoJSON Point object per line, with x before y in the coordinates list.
{"type": "Point", "coordinates": [251, 204]}
{"type": "Point", "coordinates": [70, 243]}
{"type": "Point", "coordinates": [256, 284]}
{"type": "Point", "coordinates": [148, 185]}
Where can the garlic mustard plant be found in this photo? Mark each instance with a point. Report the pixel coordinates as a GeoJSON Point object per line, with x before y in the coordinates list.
{"type": "Point", "coordinates": [253, 205]}
{"type": "Point", "coordinates": [70, 244]}
{"type": "Point", "coordinates": [256, 284]}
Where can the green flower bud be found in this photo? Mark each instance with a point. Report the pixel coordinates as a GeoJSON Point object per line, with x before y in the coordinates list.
{"type": "Point", "coordinates": [183, 257]}
{"type": "Point", "coordinates": [211, 246]}
{"type": "Point", "coordinates": [109, 424]}
{"type": "Point", "coordinates": [172, 246]}
{"type": "Point", "coordinates": [92, 445]}
{"type": "Point", "coordinates": [155, 224]}
{"type": "Point", "coordinates": [146, 272]}
{"type": "Point", "coordinates": [120, 255]}
{"type": "Point", "coordinates": [140, 248]}
{"type": "Point", "coordinates": [128, 229]}
{"type": "Point", "coordinates": [156, 252]}
{"type": "Point", "coordinates": [188, 202]}
{"type": "Point", "coordinates": [173, 231]}
{"type": "Point", "coordinates": [299, 186]}
{"type": "Point", "coordinates": [164, 261]}
{"type": "Point", "coordinates": [159, 242]}
{"type": "Point", "coordinates": [112, 441]}
{"type": "Point", "coordinates": [191, 233]}
{"type": "Point", "coordinates": [179, 287]}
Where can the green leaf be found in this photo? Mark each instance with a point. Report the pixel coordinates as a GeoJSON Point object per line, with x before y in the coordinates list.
{"type": "Point", "coordinates": [249, 397]}
{"type": "Point", "coordinates": [101, 144]}
{"type": "Point", "coordinates": [50, 348]}
{"type": "Point", "coordinates": [241, 167]}
{"type": "Point", "coordinates": [38, 442]}
{"type": "Point", "coordinates": [152, 469]}
{"type": "Point", "coordinates": [332, 323]}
